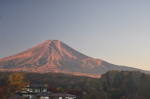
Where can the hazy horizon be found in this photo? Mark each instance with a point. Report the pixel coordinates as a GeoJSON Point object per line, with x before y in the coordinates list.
{"type": "Point", "coordinates": [114, 31]}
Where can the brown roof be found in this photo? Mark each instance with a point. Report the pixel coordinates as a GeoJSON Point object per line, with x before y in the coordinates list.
{"type": "Point", "coordinates": [56, 95]}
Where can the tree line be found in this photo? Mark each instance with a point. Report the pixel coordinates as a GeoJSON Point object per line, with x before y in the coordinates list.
{"type": "Point", "coordinates": [56, 82]}
{"type": "Point", "coordinates": [122, 85]}
{"type": "Point", "coordinates": [111, 85]}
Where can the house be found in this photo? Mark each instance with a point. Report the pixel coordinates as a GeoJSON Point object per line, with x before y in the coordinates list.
{"type": "Point", "coordinates": [30, 91]}
{"type": "Point", "coordinates": [37, 91]}
{"type": "Point", "coordinates": [55, 96]}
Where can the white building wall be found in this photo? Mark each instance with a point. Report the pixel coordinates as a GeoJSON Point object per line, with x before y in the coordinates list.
{"type": "Point", "coordinates": [44, 98]}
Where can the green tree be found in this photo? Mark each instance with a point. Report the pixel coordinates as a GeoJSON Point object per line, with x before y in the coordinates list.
{"type": "Point", "coordinates": [59, 90]}
{"type": "Point", "coordinates": [96, 95]}
{"type": "Point", "coordinates": [144, 89]}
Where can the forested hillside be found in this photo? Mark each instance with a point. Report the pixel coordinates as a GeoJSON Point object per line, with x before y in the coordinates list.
{"type": "Point", "coordinates": [111, 85]}
{"type": "Point", "coordinates": [56, 82]}
{"type": "Point", "coordinates": [122, 85]}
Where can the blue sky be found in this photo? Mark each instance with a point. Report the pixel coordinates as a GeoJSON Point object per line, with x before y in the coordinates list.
{"type": "Point", "coordinates": [117, 31]}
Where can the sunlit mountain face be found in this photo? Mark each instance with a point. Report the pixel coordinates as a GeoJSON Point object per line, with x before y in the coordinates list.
{"type": "Point", "coordinates": [55, 56]}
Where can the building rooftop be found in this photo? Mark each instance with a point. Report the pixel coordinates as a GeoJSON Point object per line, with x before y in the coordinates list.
{"type": "Point", "coordinates": [55, 95]}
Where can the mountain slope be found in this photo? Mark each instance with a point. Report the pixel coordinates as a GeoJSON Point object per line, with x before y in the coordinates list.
{"type": "Point", "coordinates": [55, 56]}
